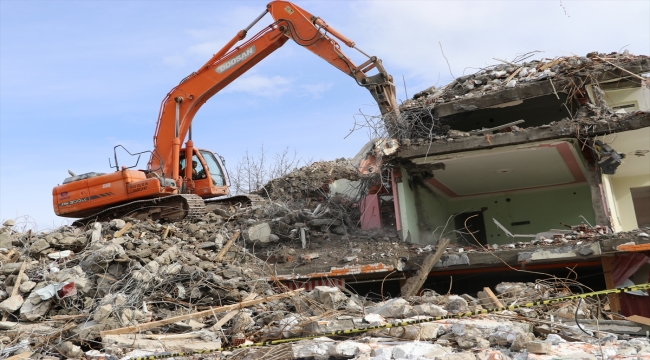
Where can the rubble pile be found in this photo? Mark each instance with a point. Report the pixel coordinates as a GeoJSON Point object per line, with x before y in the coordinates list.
{"type": "Point", "coordinates": [420, 118]}
{"type": "Point", "coordinates": [129, 288]}
{"type": "Point", "coordinates": [309, 182]}
{"type": "Point", "coordinates": [509, 75]}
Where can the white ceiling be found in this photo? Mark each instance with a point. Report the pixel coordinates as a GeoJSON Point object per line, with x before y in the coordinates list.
{"type": "Point", "coordinates": [507, 169]}
{"type": "Point", "coordinates": [628, 142]}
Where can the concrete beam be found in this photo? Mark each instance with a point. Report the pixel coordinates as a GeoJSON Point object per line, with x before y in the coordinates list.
{"type": "Point", "coordinates": [562, 129]}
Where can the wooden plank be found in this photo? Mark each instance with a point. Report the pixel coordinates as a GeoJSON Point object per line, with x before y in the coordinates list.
{"type": "Point", "coordinates": [166, 232]}
{"type": "Point", "coordinates": [200, 314]}
{"type": "Point", "coordinates": [639, 319]}
{"type": "Point", "coordinates": [124, 229]}
{"type": "Point", "coordinates": [413, 284]}
{"type": "Point", "coordinates": [23, 355]}
{"type": "Point", "coordinates": [492, 297]}
{"type": "Point", "coordinates": [608, 265]}
{"type": "Point", "coordinates": [226, 247]}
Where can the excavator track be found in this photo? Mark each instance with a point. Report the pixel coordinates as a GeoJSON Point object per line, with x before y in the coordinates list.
{"type": "Point", "coordinates": [237, 201]}
{"type": "Point", "coordinates": [169, 208]}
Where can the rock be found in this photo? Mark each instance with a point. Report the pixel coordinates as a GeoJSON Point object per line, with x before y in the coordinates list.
{"type": "Point", "coordinates": [26, 286]}
{"type": "Point", "coordinates": [348, 349]}
{"type": "Point", "coordinates": [259, 234]}
{"type": "Point", "coordinates": [70, 350]}
{"type": "Point", "coordinates": [14, 268]}
{"type": "Point", "coordinates": [38, 246]}
{"type": "Point", "coordinates": [12, 304]}
{"type": "Point", "coordinates": [9, 223]}
{"type": "Point", "coordinates": [539, 347]}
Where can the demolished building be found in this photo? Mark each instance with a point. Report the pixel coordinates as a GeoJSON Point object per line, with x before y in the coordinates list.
{"type": "Point", "coordinates": [539, 165]}
{"type": "Point", "coordinates": [511, 142]}
{"type": "Point", "coordinates": [526, 178]}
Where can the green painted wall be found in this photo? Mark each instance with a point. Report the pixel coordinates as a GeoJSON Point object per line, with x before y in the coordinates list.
{"type": "Point", "coordinates": [545, 209]}
{"type": "Point", "coordinates": [407, 208]}
{"type": "Point", "coordinates": [424, 213]}
{"type": "Point", "coordinates": [434, 214]}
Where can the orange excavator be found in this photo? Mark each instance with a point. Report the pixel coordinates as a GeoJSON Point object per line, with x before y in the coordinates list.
{"type": "Point", "coordinates": [178, 179]}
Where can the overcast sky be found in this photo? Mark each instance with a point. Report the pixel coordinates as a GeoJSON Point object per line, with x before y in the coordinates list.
{"type": "Point", "coordinates": [79, 77]}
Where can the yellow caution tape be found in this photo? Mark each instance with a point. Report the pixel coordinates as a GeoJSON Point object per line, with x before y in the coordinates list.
{"type": "Point", "coordinates": [402, 323]}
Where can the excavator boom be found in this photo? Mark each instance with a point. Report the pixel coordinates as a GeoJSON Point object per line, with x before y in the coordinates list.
{"type": "Point", "coordinates": [291, 22]}
{"type": "Point", "coordinates": [177, 179]}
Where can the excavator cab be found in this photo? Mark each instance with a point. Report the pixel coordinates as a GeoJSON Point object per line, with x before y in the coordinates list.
{"type": "Point", "coordinates": [207, 176]}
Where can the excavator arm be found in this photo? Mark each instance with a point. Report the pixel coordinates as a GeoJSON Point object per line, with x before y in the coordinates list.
{"type": "Point", "coordinates": [291, 22]}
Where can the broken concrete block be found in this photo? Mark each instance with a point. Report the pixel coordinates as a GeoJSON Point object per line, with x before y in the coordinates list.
{"type": "Point", "coordinates": [5, 241]}
{"type": "Point", "coordinates": [326, 326]}
{"type": "Point", "coordinates": [117, 224]}
{"type": "Point", "coordinates": [12, 304]}
{"type": "Point", "coordinates": [426, 309]}
{"type": "Point", "coordinates": [390, 309]}
{"type": "Point", "coordinates": [27, 286]}
{"type": "Point", "coordinates": [318, 348]}
{"type": "Point", "coordinates": [242, 322]}
{"type": "Point", "coordinates": [9, 223]}
{"type": "Point", "coordinates": [14, 268]}
{"type": "Point", "coordinates": [259, 234]}
{"type": "Point", "coordinates": [348, 349]}
{"type": "Point", "coordinates": [96, 233]}
{"type": "Point", "coordinates": [331, 297]}
{"type": "Point", "coordinates": [539, 347]}
{"type": "Point", "coordinates": [70, 350]}
{"type": "Point", "coordinates": [34, 308]}
{"type": "Point", "coordinates": [39, 246]}
{"type": "Point", "coordinates": [456, 303]}
{"type": "Point", "coordinates": [417, 350]}
{"type": "Point", "coordinates": [103, 312]}
{"type": "Point", "coordinates": [7, 325]}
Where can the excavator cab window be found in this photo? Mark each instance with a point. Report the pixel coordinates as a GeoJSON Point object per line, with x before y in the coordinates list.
{"type": "Point", "coordinates": [213, 166]}
{"type": "Point", "coordinates": [198, 172]}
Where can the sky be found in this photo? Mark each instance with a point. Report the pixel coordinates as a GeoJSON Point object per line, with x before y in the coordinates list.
{"type": "Point", "coordinates": [80, 77]}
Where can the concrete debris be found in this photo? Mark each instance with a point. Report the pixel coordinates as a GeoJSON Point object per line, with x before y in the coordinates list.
{"type": "Point", "coordinates": [114, 282]}
{"type": "Point", "coordinates": [65, 289]}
